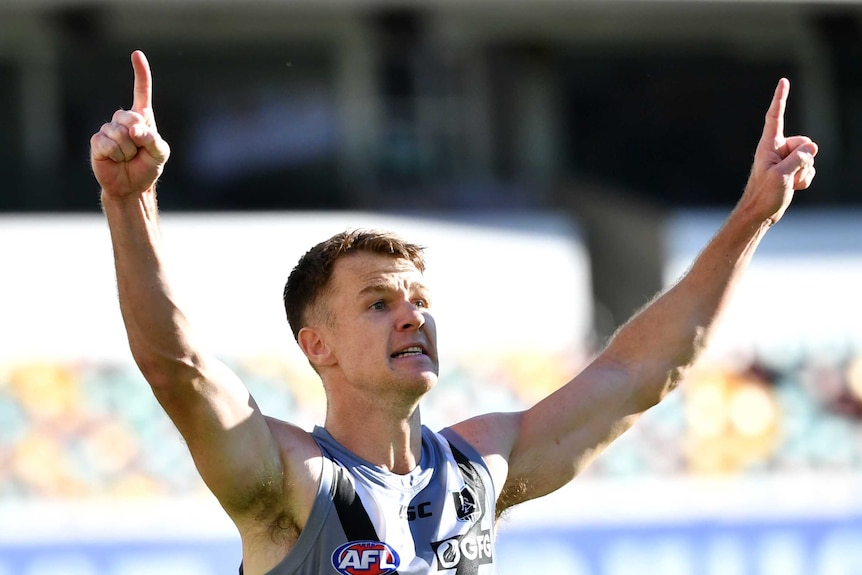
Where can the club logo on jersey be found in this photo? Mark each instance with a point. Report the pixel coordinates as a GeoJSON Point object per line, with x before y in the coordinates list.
{"type": "Point", "coordinates": [472, 549]}
{"type": "Point", "coordinates": [466, 504]}
{"type": "Point", "coordinates": [365, 558]}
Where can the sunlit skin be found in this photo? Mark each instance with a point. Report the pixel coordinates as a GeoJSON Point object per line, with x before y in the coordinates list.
{"type": "Point", "coordinates": [375, 308]}
{"type": "Point", "coordinates": [265, 472]}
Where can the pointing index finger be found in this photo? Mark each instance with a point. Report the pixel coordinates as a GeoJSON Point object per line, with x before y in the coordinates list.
{"type": "Point", "coordinates": [143, 92]}
{"type": "Point", "coordinates": [773, 128]}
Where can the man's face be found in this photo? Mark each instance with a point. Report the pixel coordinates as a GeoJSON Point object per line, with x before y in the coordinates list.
{"type": "Point", "coordinates": [380, 329]}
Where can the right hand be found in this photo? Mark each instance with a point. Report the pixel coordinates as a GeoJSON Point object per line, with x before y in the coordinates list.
{"type": "Point", "coordinates": [782, 165]}
{"type": "Point", "coordinates": [128, 155]}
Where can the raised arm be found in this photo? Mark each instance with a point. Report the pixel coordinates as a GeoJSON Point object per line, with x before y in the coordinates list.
{"type": "Point", "coordinates": [229, 439]}
{"type": "Point", "coordinates": [649, 355]}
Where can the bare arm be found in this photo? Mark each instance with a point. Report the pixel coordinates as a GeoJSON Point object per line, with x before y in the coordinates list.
{"type": "Point", "coordinates": [648, 356]}
{"type": "Point", "coordinates": [229, 439]}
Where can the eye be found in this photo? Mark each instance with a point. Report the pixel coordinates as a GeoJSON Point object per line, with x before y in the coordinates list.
{"type": "Point", "coordinates": [378, 305]}
{"type": "Point", "coordinates": [421, 303]}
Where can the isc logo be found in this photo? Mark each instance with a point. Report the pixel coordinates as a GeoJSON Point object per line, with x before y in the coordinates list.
{"type": "Point", "coordinates": [365, 558]}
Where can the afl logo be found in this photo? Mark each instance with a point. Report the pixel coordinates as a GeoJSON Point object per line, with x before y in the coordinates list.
{"type": "Point", "coordinates": [365, 558]}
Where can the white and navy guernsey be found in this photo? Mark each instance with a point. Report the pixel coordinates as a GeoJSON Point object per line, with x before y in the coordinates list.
{"type": "Point", "coordinates": [437, 519]}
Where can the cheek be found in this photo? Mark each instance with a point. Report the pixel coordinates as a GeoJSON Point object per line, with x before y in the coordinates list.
{"type": "Point", "coordinates": [430, 324]}
{"type": "Point", "coordinates": [368, 339]}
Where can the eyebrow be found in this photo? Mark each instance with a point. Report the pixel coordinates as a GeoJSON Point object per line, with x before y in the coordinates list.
{"type": "Point", "coordinates": [384, 286]}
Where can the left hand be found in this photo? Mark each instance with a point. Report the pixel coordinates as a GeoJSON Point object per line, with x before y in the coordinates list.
{"type": "Point", "coordinates": [781, 165]}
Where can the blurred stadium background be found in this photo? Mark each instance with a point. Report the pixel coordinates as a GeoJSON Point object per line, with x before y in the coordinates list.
{"type": "Point", "coordinates": [562, 159]}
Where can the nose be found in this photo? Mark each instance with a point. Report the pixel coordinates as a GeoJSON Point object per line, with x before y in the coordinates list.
{"type": "Point", "coordinates": [410, 316]}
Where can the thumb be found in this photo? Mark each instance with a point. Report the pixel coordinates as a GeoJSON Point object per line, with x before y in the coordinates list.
{"type": "Point", "coordinates": [149, 139]}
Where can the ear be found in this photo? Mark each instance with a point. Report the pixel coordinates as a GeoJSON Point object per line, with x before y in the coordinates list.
{"type": "Point", "coordinates": [314, 346]}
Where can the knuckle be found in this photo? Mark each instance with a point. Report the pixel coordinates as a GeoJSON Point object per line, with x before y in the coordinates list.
{"type": "Point", "coordinates": [114, 131]}
{"type": "Point", "coordinates": [106, 150]}
{"type": "Point", "coordinates": [127, 118]}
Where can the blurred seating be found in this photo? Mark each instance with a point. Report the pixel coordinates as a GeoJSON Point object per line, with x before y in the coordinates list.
{"type": "Point", "coordinates": [94, 430]}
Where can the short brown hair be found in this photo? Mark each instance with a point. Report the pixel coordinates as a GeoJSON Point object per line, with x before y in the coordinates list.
{"type": "Point", "coordinates": [310, 276]}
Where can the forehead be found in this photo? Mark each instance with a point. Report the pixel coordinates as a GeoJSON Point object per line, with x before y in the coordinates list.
{"type": "Point", "coordinates": [363, 270]}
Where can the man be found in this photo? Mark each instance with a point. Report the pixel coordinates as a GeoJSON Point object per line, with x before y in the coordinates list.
{"type": "Point", "coordinates": [372, 490]}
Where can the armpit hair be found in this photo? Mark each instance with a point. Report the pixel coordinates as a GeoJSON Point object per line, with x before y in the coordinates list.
{"type": "Point", "coordinates": [267, 505]}
{"type": "Point", "coordinates": [514, 492]}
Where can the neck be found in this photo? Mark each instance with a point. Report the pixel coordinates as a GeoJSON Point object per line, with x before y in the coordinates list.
{"type": "Point", "coordinates": [370, 430]}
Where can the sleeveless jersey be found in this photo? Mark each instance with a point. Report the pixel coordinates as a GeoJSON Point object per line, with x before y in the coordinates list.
{"type": "Point", "coordinates": [438, 519]}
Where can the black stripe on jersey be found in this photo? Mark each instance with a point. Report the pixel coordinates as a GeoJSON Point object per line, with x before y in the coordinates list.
{"type": "Point", "coordinates": [472, 479]}
{"type": "Point", "coordinates": [354, 519]}
{"type": "Point", "coordinates": [474, 483]}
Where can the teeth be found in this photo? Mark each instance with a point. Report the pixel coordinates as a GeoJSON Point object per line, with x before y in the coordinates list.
{"type": "Point", "coordinates": [409, 351]}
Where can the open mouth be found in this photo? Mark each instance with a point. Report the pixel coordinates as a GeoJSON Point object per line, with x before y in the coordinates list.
{"type": "Point", "coordinates": [415, 350]}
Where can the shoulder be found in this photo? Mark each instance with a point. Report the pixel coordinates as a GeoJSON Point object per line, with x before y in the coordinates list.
{"type": "Point", "coordinates": [301, 455]}
{"type": "Point", "coordinates": [491, 434]}
{"type": "Point", "coordinates": [293, 440]}
{"type": "Point", "coordinates": [493, 437]}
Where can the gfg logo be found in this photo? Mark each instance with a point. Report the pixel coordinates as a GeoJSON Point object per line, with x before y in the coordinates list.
{"type": "Point", "coordinates": [469, 549]}
{"type": "Point", "coordinates": [365, 558]}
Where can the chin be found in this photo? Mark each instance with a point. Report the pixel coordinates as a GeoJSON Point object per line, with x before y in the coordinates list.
{"type": "Point", "coordinates": [425, 381]}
